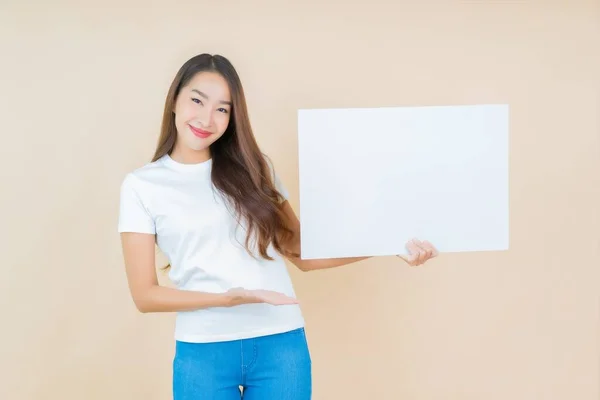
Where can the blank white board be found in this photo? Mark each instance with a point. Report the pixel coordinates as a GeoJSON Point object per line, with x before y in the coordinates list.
{"type": "Point", "coordinates": [373, 178]}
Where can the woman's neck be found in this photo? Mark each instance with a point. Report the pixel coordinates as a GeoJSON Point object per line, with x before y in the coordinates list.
{"type": "Point", "coordinates": [189, 156]}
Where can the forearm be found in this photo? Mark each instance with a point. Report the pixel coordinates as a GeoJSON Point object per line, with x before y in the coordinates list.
{"type": "Point", "coordinates": [325, 263]}
{"type": "Point", "coordinates": [164, 299]}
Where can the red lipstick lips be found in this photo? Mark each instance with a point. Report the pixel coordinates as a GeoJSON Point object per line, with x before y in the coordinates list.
{"type": "Point", "coordinates": [199, 132]}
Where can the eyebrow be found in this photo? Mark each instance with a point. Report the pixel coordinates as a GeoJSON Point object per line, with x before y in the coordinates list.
{"type": "Point", "coordinates": [206, 97]}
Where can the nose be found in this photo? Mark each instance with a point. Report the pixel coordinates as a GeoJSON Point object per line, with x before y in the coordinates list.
{"type": "Point", "coordinates": [205, 117]}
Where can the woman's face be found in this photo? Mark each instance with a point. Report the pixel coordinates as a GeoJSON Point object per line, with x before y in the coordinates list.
{"type": "Point", "coordinates": [202, 112]}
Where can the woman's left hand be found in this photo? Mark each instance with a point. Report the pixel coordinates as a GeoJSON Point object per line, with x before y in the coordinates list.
{"type": "Point", "coordinates": [418, 252]}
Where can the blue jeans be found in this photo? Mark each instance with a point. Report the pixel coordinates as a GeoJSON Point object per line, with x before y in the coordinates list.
{"type": "Point", "coordinates": [273, 367]}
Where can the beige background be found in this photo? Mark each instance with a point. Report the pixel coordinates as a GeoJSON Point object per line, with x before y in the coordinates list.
{"type": "Point", "coordinates": [83, 87]}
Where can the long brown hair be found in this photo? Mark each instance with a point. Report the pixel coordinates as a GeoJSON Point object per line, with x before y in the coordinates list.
{"type": "Point", "coordinates": [240, 171]}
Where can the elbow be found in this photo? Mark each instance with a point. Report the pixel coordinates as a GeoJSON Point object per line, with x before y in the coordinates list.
{"type": "Point", "coordinates": [142, 303]}
{"type": "Point", "coordinates": [142, 306]}
{"type": "Point", "coordinates": [303, 266]}
{"type": "Point", "coordinates": [297, 261]}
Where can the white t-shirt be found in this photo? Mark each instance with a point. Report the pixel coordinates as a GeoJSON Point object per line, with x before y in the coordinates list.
{"type": "Point", "coordinates": [204, 243]}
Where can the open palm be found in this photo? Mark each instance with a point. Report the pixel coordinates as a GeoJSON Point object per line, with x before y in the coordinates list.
{"type": "Point", "coordinates": [271, 297]}
{"type": "Point", "coordinates": [245, 296]}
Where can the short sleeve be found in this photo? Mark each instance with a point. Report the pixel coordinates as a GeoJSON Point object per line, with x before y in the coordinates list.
{"type": "Point", "coordinates": [278, 184]}
{"type": "Point", "coordinates": [133, 214]}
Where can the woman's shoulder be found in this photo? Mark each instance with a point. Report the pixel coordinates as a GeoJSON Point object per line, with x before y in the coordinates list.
{"type": "Point", "coordinates": [148, 172]}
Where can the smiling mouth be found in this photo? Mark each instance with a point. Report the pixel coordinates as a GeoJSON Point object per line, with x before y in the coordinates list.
{"type": "Point", "coordinates": [199, 132]}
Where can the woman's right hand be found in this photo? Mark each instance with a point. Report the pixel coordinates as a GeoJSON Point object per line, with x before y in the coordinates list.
{"type": "Point", "coordinates": [244, 296]}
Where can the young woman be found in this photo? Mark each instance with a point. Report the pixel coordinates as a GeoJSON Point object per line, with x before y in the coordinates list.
{"type": "Point", "coordinates": [212, 202]}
